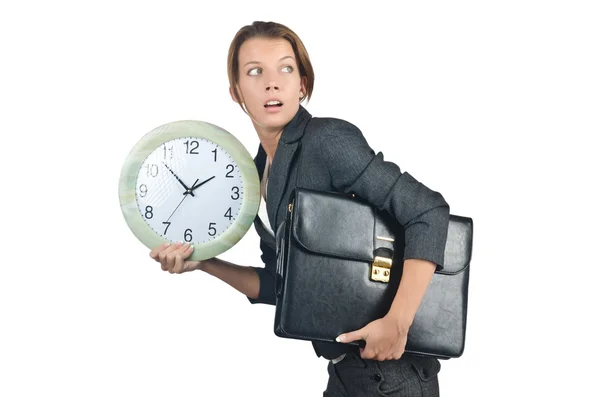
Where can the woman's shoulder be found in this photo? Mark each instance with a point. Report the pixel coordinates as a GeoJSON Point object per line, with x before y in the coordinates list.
{"type": "Point", "coordinates": [330, 123]}
{"type": "Point", "coordinates": [330, 127]}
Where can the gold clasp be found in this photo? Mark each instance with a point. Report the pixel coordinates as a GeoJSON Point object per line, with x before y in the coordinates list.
{"type": "Point", "coordinates": [380, 269]}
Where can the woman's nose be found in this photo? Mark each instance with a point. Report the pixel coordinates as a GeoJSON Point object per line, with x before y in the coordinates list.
{"type": "Point", "coordinates": [272, 86]}
{"type": "Point", "coordinates": [272, 80]}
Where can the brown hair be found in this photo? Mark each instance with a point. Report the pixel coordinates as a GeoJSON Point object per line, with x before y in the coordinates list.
{"type": "Point", "coordinates": [268, 30]}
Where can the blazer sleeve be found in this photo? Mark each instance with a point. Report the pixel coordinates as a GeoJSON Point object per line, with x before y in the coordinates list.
{"type": "Point", "coordinates": [266, 275]}
{"type": "Point", "coordinates": [354, 167]}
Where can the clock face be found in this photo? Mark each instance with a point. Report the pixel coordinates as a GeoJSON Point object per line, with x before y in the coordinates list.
{"type": "Point", "coordinates": [189, 189]}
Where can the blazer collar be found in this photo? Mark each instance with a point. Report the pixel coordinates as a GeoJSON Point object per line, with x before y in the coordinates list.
{"type": "Point", "coordinates": [294, 130]}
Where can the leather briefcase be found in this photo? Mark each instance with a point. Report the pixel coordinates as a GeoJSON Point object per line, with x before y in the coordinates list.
{"type": "Point", "coordinates": [334, 274]}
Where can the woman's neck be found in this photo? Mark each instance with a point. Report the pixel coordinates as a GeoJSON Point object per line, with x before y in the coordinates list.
{"type": "Point", "coordinates": [269, 142]}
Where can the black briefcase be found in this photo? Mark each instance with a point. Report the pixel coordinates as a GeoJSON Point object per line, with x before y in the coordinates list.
{"type": "Point", "coordinates": [334, 274]}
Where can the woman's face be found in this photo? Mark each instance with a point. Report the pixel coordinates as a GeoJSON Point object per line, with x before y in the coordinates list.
{"type": "Point", "coordinates": [269, 85]}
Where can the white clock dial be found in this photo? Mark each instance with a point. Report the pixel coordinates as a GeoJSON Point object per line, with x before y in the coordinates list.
{"type": "Point", "coordinates": [189, 189]}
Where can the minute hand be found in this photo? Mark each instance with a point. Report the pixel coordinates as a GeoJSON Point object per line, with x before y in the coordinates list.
{"type": "Point", "coordinates": [187, 189]}
{"type": "Point", "coordinates": [190, 191]}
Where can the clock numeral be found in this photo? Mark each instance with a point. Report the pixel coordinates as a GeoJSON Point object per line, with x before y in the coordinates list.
{"type": "Point", "coordinates": [151, 170]}
{"type": "Point", "coordinates": [191, 143]}
{"type": "Point", "coordinates": [149, 213]}
{"type": "Point", "coordinates": [143, 190]}
{"type": "Point", "coordinates": [228, 214]}
{"type": "Point", "coordinates": [215, 152]}
{"type": "Point", "coordinates": [187, 235]}
{"type": "Point", "coordinates": [167, 228]}
{"type": "Point", "coordinates": [212, 229]}
{"type": "Point", "coordinates": [230, 171]}
{"type": "Point", "coordinates": [170, 149]}
{"type": "Point", "coordinates": [237, 193]}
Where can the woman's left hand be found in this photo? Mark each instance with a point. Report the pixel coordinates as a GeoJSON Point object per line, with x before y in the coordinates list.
{"type": "Point", "coordinates": [385, 339]}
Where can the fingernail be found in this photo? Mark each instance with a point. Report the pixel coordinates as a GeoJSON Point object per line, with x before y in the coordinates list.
{"type": "Point", "coordinates": [191, 247]}
{"type": "Point", "coordinates": [339, 339]}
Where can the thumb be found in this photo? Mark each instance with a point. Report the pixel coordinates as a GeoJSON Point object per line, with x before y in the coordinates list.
{"type": "Point", "coordinates": [351, 336]}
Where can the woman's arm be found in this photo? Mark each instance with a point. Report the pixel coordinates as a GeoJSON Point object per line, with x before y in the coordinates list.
{"type": "Point", "coordinates": [243, 278]}
{"type": "Point", "coordinates": [416, 276]}
{"type": "Point", "coordinates": [257, 283]}
{"type": "Point", "coordinates": [424, 214]}
{"type": "Point", "coordinates": [354, 167]}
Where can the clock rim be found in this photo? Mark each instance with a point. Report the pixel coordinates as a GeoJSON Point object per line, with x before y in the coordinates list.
{"type": "Point", "coordinates": [198, 129]}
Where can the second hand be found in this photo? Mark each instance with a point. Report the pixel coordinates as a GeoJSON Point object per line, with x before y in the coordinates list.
{"type": "Point", "coordinates": [184, 197]}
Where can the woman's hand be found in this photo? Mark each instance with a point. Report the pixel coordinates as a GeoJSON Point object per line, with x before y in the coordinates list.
{"type": "Point", "coordinates": [385, 339]}
{"type": "Point", "coordinates": [172, 257]}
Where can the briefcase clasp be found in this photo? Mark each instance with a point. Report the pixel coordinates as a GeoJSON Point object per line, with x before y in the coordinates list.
{"type": "Point", "coordinates": [380, 269]}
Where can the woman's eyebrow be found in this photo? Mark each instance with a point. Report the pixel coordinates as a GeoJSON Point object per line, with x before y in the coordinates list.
{"type": "Point", "coordinates": [280, 59]}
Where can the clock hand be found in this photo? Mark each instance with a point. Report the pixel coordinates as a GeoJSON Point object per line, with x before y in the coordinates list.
{"type": "Point", "coordinates": [187, 189]}
{"type": "Point", "coordinates": [194, 187]}
{"type": "Point", "coordinates": [184, 197]}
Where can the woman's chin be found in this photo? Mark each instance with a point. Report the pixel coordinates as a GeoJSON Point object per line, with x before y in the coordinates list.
{"type": "Point", "coordinates": [273, 120]}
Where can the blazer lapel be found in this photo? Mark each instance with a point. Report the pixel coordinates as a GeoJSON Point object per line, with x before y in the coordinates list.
{"type": "Point", "coordinates": [259, 161]}
{"type": "Point", "coordinates": [281, 166]}
{"type": "Point", "coordinates": [279, 179]}
{"type": "Point", "coordinates": [261, 228]}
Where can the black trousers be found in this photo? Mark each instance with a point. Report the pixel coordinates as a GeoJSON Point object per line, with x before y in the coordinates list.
{"type": "Point", "coordinates": [410, 376]}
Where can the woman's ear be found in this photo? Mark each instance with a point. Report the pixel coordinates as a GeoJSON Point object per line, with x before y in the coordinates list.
{"type": "Point", "coordinates": [303, 81]}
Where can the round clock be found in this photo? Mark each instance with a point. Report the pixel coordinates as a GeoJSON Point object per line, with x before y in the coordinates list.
{"type": "Point", "coordinates": [189, 181]}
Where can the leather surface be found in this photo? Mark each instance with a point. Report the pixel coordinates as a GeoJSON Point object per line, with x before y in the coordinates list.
{"type": "Point", "coordinates": [327, 215]}
{"type": "Point", "coordinates": [324, 254]}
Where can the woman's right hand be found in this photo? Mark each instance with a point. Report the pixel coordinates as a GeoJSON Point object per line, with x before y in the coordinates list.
{"type": "Point", "coordinates": [172, 257]}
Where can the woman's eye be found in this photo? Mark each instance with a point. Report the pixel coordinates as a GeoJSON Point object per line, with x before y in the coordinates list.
{"type": "Point", "coordinates": [288, 69]}
{"type": "Point", "coordinates": [254, 72]}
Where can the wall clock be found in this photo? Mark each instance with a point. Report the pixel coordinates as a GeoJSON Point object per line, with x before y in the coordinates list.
{"type": "Point", "coordinates": [189, 181]}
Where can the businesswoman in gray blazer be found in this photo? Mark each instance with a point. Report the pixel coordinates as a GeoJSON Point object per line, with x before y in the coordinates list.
{"type": "Point", "coordinates": [270, 74]}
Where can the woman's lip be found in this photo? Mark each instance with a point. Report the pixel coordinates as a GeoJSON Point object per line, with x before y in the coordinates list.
{"type": "Point", "coordinates": [273, 109]}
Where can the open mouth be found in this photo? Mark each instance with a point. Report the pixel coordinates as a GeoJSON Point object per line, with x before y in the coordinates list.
{"type": "Point", "coordinates": [272, 104]}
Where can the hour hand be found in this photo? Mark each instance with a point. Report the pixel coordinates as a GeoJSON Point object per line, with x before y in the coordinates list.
{"type": "Point", "coordinates": [194, 187]}
{"type": "Point", "coordinates": [187, 189]}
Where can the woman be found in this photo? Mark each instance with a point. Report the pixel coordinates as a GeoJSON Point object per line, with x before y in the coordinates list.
{"type": "Point", "coordinates": [270, 74]}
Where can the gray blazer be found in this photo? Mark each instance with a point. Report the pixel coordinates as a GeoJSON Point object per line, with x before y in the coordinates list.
{"type": "Point", "coordinates": [329, 154]}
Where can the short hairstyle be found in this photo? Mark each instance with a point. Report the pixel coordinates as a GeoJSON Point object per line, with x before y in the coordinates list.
{"type": "Point", "coordinates": [271, 30]}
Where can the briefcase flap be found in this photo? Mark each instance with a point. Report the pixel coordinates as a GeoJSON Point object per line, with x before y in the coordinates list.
{"type": "Point", "coordinates": [330, 223]}
{"type": "Point", "coordinates": [459, 245]}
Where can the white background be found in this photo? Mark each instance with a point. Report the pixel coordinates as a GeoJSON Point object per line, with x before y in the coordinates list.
{"type": "Point", "coordinates": [493, 104]}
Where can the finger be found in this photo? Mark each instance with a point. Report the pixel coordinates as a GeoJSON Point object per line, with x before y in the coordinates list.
{"type": "Point", "coordinates": [186, 250]}
{"type": "Point", "coordinates": [397, 354]}
{"type": "Point", "coordinates": [367, 354]}
{"type": "Point", "coordinates": [351, 336]}
{"type": "Point", "coordinates": [169, 259]}
{"type": "Point", "coordinates": [179, 258]}
{"type": "Point", "coordinates": [162, 255]}
{"type": "Point", "coordinates": [186, 265]}
{"type": "Point", "coordinates": [154, 253]}
{"type": "Point", "coordinates": [179, 264]}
